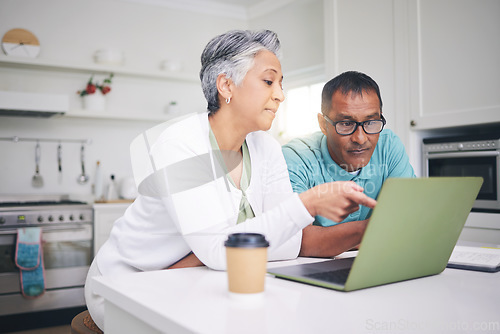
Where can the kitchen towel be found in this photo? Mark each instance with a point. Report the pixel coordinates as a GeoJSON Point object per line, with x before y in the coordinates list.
{"type": "Point", "coordinates": [29, 260]}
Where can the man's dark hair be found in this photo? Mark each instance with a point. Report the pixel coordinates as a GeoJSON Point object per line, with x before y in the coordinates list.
{"type": "Point", "coordinates": [351, 81]}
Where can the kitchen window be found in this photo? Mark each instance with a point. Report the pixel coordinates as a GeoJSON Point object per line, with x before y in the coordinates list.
{"type": "Point", "coordinates": [297, 116]}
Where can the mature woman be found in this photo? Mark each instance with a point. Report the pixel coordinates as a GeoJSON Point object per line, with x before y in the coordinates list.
{"type": "Point", "coordinates": [218, 172]}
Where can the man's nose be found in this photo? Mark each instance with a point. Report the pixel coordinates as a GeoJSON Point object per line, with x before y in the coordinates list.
{"type": "Point", "coordinates": [359, 136]}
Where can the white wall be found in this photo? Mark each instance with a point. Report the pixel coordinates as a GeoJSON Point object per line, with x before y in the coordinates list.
{"type": "Point", "coordinates": [71, 31]}
{"type": "Point", "coordinates": [74, 30]}
{"type": "Point", "coordinates": [300, 28]}
{"type": "Point", "coordinates": [110, 145]}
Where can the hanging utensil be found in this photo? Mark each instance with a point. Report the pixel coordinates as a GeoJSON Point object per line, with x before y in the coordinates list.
{"type": "Point", "coordinates": [37, 180]}
{"type": "Point", "coordinates": [59, 158]}
{"type": "Point", "coordinates": [83, 178]}
{"type": "Point", "coordinates": [59, 164]}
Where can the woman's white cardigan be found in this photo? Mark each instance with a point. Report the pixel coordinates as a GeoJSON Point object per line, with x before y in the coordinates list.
{"type": "Point", "coordinates": [186, 204]}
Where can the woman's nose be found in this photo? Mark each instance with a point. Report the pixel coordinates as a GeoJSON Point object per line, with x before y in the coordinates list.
{"type": "Point", "coordinates": [278, 94]}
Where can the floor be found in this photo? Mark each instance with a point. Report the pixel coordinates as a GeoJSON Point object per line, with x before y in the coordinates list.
{"type": "Point", "coordinates": [44, 322]}
{"type": "Point", "coordinates": [66, 329]}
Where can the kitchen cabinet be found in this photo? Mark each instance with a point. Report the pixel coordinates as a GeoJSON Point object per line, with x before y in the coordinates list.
{"type": "Point", "coordinates": [453, 56]}
{"type": "Point", "coordinates": [360, 36]}
{"type": "Point", "coordinates": [105, 214]}
{"type": "Point", "coordinates": [436, 62]}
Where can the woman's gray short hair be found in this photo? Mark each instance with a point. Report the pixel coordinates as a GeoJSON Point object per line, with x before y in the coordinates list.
{"type": "Point", "coordinates": [232, 54]}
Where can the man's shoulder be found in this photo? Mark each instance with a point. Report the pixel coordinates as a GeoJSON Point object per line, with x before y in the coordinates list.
{"type": "Point", "coordinates": [387, 133]}
{"type": "Point", "coordinates": [304, 150]}
{"type": "Point", "coordinates": [388, 140]}
{"type": "Point", "coordinates": [309, 143]}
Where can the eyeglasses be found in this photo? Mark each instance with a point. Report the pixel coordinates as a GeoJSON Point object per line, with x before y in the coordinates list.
{"type": "Point", "coordinates": [346, 128]}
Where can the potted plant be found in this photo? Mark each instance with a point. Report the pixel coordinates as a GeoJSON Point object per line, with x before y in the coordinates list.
{"type": "Point", "coordinates": [93, 94]}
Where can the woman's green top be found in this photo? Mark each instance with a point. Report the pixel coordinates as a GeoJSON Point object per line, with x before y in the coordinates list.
{"type": "Point", "coordinates": [246, 211]}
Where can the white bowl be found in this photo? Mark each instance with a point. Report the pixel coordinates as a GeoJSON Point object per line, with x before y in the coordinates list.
{"type": "Point", "coordinates": [171, 65]}
{"type": "Point", "coordinates": [128, 190]}
{"type": "Point", "coordinates": [109, 57]}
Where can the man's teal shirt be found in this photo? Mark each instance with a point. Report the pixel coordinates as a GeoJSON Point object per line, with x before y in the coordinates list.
{"type": "Point", "coordinates": [310, 164]}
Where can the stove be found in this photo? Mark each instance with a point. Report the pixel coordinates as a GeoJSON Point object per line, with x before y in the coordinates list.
{"type": "Point", "coordinates": [67, 244]}
{"type": "Point", "coordinates": [42, 213]}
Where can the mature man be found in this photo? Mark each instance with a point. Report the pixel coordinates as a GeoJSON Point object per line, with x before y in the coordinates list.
{"type": "Point", "coordinates": [352, 146]}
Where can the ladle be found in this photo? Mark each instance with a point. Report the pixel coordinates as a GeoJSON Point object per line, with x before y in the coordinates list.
{"type": "Point", "coordinates": [83, 178]}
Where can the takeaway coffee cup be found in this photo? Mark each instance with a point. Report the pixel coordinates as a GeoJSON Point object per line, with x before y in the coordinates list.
{"type": "Point", "coordinates": [246, 255]}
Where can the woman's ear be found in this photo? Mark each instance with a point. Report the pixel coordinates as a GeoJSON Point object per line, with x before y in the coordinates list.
{"type": "Point", "coordinates": [224, 85]}
{"type": "Point", "coordinates": [322, 123]}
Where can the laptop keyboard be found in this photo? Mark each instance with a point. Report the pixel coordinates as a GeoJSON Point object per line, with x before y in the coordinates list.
{"type": "Point", "coordinates": [338, 276]}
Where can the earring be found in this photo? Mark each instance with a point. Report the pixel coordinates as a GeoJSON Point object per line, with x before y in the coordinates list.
{"type": "Point", "coordinates": [228, 100]}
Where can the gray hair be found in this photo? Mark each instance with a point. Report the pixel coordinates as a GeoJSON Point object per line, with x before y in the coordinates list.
{"type": "Point", "coordinates": [232, 54]}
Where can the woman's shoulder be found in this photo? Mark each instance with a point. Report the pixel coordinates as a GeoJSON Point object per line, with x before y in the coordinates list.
{"type": "Point", "coordinates": [263, 139]}
{"type": "Point", "coordinates": [183, 126]}
{"type": "Point", "coordinates": [183, 130]}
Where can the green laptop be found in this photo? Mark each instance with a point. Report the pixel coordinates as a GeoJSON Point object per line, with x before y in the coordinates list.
{"type": "Point", "coordinates": [412, 232]}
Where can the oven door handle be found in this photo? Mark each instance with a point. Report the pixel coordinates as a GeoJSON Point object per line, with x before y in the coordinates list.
{"type": "Point", "coordinates": [463, 154]}
{"type": "Point", "coordinates": [49, 229]}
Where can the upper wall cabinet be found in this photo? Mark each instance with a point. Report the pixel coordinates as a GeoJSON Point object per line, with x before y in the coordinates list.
{"type": "Point", "coordinates": [360, 36]}
{"type": "Point", "coordinates": [454, 61]}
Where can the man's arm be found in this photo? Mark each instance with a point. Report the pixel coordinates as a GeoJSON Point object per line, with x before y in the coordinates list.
{"type": "Point", "coordinates": [189, 260]}
{"type": "Point", "coordinates": [319, 241]}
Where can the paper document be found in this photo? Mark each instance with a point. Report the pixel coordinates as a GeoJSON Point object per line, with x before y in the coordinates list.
{"type": "Point", "coordinates": [475, 258]}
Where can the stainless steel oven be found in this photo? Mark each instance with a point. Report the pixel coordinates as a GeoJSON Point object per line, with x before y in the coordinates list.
{"type": "Point", "coordinates": [67, 243]}
{"type": "Point", "coordinates": [475, 155]}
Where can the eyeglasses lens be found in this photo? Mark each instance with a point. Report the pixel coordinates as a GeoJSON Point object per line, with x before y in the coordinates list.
{"type": "Point", "coordinates": [370, 127]}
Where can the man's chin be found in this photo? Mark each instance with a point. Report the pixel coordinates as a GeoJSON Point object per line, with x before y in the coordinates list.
{"type": "Point", "coordinates": [354, 166]}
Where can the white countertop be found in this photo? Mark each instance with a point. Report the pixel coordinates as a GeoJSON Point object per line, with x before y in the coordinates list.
{"type": "Point", "coordinates": [197, 300]}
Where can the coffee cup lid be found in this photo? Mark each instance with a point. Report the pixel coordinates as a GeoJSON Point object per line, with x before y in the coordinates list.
{"type": "Point", "coordinates": [246, 240]}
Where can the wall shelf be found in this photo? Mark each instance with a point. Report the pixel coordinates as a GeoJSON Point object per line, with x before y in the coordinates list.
{"type": "Point", "coordinates": [40, 63]}
{"type": "Point", "coordinates": [52, 65]}
{"type": "Point", "coordinates": [80, 113]}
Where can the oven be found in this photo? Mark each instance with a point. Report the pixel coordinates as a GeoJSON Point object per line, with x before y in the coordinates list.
{"type": "Point", "coordinates": [67, 244]}
{"type": "Point", "coordinates": [475, 155]}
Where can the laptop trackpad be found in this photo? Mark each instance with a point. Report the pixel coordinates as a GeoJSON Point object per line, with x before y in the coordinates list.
{"type": "Point", "coordinates": [334, 271]}
{"type": "Point", "coordinates": [330, 271]}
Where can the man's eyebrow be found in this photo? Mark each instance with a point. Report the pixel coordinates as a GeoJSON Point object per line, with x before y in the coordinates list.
{"type": "Point", "coordinates": [375, 114]}
{"type": "Point", "coordinates": [342, 116]}
{"type": "Point", "coordinates": [350, 117]}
